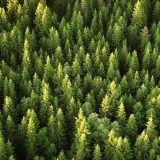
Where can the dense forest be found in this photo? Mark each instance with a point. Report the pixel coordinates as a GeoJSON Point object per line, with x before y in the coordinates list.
{"type": "Point", "coordinates": [79, 80]}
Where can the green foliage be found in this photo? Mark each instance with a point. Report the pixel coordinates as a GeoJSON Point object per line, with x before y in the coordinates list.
{"type": "Point", "coordinates": [97, 155]}
{"type": "Point", "coordinates": [79, 79]}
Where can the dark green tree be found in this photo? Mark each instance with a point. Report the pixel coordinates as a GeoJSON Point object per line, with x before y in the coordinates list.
{"type": "Point", "coordinates": [156, 12]}
{"type": "Point", "coordinates": [131, 128]}
{"type": "Point", "coordinates": [61, 139]}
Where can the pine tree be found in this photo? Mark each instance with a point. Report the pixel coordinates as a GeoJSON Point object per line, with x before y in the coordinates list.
{"type": "Point", "coordinates": [131, 128]}
{"type": "Point", "coordinates": [133, 36]}
{"type": "Point", "coordinates": [26, 55]}
{"type": "Point", "coordinates": [67, 88]}
{"type": "Point", "coordinates": [8, 108]}
{"type": "Point", "coordinates": [42, 142]}
{"type": "Point", "coordinates": [142, 147]}
{"type": "Point", "coordinates": [94, 24]}
{"type": "Point", "coordinates": [121, 114]}
{"type": "Point", "coordinates": [9, 150]}
{"type": "Point", "coordinates": [51, 128]}
{"type": "Point", "coordinates": [4, 46]}
{"type": "Point", "coordinates": [61, 156]}
{"type": "Point", "coordinates": [39, 66]}
{"type": "Point", "coordinates": [12, 6]}
{"type": "Point", "coordinates": [21, 136]}
{"type": "Point", "coordinates": [48, 71]}
{"type": "Point", "coordinates": [105, 110]}
{"type": "Point", "coordinates": [138, 16]}
{"type": "Point", "coordinates": [134, 64]}
{"type": "Point", "coordinates": [109, 146]}
{"type": "Point", "coordinates": [87, 64]}
{"type": "Point", "coordinates": [10, 129]}
{"type": "Point", "coordinates": [2, 147]}
{"type": "Point", "coordinates": [117, 35]}
{"type": "Point", "coordinates": [61, 140]}
{"type": "Point", "coordinates": [3, 17]}
{"type": "Point", "coordinates": [45, 102]}
{"type": "Point", "coordinates": [31, 145]}
{"type": "Point", "coordinates": [86, 7]}
{"type": "Point", "coordinates": [139, 115]}
{"type": "Point", "coordinates": [150, 130]}
{"type": "Point", "coordinates": [122, 149]}
{"type": "Point", "coordinates": [81, 144]}
{"type": "Point", "coordinates": [156, 12]}
{"type": "Point", "coordinates": [16, 43]}
{"type": "Point", "coordinates": [97, 155]}
{"type": "Point", "coordinates": [113, 68]}
{"type": "Point", "coordinates": [38, 17]}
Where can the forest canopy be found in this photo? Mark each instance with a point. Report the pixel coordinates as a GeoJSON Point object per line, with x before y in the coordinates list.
{"type": "Point", "coordinates": [79, 80]}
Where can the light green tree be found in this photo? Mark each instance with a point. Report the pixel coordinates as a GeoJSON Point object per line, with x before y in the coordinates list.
{"type": "Point", "coordinates": [30, 143]}
{"type": "Point", "coordinates": [97, 155]}
{"type": "Point", "coordinates": [81, 143]}
{"type": "Point", "coordinates": [2, 147]}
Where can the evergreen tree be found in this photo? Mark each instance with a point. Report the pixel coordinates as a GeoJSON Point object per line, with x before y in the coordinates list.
{"type": "Point", "coordinates": [2, 147]}
{"type": "Point", "coordinates": [97, 155]}
{"type": "Point", "coordinates": [3, 17]}
{"type": "Point", "coordinates": [4, 46]}
{"type": "Point", "coordinates": [12, 6]}
{"type": "Point", "coordinates": [121, 114]}
{"type": "Point", "coordinates": [9, 150]}
{"type": "Point", "coordinates": [10, 129]}
{"type": "Point", "coordinates": [8, 107]}
{"type": "Point", "coordinates": [156, 12]}
{"type": "Point", "coordinates": [87, 64]}
{"type": "Point", "coordinates": [61, 140]}
{"type": "Point", "coordinates": [150, 130]}
{"type": "Point", "coordinates": [134, 64]}
{"type": "Point", "coordinates": [131, 128]}
{"type": "Point", "coordinates": [45, 102]}
{"type": "Point", "coordinates": [31, 145]}
{"type": "Point", "coordinates": [61, 156]}
{"type": "Point", "coordinates": [51, 128]}
{"type": "Point", "coordinates": [138, 16]}
{"type": "Point", "coordinates": [142, 147]}
{"type": "Point", "coordinates": [81, 144]}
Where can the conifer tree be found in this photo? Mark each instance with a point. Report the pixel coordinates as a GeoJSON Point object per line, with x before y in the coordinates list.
{"type": "Point", "coordinates": [61, 140]}
{"type": "Point", "coordinates": [97, 155]}
{"type": "Point", "coordinates": [8, 107]}
{"type": "Point", "coordinates": [31, 148]}
{"type": "Point", "coordinates": [138, 16]}
{"type": "Point", "coordinates": [10, 129]}
{"type": "Point", "coordinates": [45, 102]}
{"type": "Point", "coordinates": [131, 128]}
{"type": "Point", "coordinates": [2, 147]}
{"type": "Point", "coordinates": [142, 146]}
{"type": "Point", "coordinates": [61, 156]}
{"type": "Point", "coordinates": [81, 144]}
{"type": "Point", "coordinates": [4, 46]}
{"type": "Point", "coordinates": [12, 6]}
{"type": "Point", "coordinates": [105, 110]}
{"type": "Point", "coordinates": [3, 17]}
{"type": "Point", "coordinates": [87, 64]}
{"type": "Point", "coordinates": [134, 64]}
{"type": "Point", "coordinates": [109, 146]}
{"type": "Point", "coordinates": [121, 114]}
{"type": "Point", "coordinates": [150, 130]}
{"type": "Point", "coordinates": [156, 12]}
{"type": "Point", "coordinates": [9, 150]}
{"type": "Point", "coordinates": [42, 142]}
